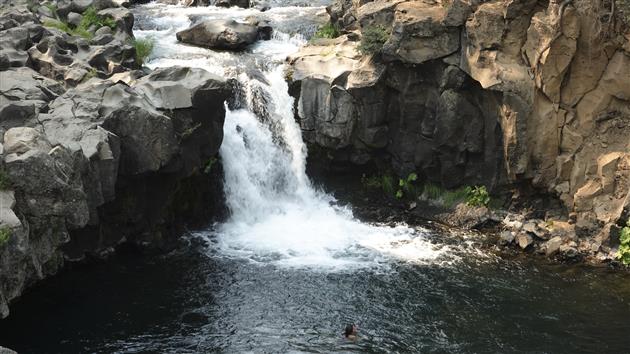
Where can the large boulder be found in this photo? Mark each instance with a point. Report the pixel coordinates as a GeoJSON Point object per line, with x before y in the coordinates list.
{"type": "Point", "coordinates": [220, 34]}
{"type": "Point", "coordinates": [187, 95]}
{"type": "Point", "coordinates": [229, 3]}
{"type": "Point", "coordinates": [23, 94]}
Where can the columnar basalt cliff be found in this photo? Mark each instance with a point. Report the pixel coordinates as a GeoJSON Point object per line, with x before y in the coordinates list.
{"type": "Point", "coordinates": [505, 93]}
{"type": "Point", "coordinates": [94, 152]}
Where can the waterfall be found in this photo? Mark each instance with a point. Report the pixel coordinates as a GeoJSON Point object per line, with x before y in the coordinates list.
{"type": "Point", "coordinates": [276, 216]}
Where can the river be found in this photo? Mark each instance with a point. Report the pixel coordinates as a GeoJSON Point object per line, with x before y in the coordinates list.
{"type": "Point", "coordinates": [290, 266]}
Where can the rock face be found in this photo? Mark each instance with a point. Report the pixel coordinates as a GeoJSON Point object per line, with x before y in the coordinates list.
{"type": "Point", "coordinates": [92, 154]}
{"type": "Point", "coordinates": [220, 34]}
{"type": "Point", "coordinates": [500, 93]}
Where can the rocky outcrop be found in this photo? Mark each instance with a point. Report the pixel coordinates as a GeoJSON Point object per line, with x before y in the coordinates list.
{"type": "Point", "coordinates": [220, 34]}
{"type": "Point", "coordinates": [94, 155]}
{"type": "Point", "coordinates": [509, 94]}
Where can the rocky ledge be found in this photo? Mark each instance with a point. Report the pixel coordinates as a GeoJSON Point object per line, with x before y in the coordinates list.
{"type": "Point", "coordinates": [529, 98]}
{"type": "Point", "coordinates": [96, 151]}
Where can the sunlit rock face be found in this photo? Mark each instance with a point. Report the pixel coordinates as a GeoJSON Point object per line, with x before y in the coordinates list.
{"type": "Point", "coordinates": [492, 93]}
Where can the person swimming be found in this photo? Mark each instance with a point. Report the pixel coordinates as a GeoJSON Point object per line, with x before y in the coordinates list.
{"type": "Point", "coordinates": [351, 331]}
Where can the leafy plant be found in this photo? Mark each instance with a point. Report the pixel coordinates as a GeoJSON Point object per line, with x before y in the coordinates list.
{"type": "Point", "coordinates": [478, 196]}
{"type": "Point", "coordinates": [373, 39]}
{"type": "Point", "coordinates": [406, 186]}
{"type": "Point", "coordinates": [624, 244]}
{"type": "Point", "coordinates": [327, 31]}
{"type": "Point", "coordinates": [144, 47]}
{"type": "Point", "coordinates": [5, 183]}
{"type": "Point", "coordinates": [92, 18]}
{"type": "Point", "coordinates": [5, 234]}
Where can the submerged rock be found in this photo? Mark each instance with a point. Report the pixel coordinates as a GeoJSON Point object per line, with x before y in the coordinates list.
{"type": "Point", "coordinates": [220, 34]}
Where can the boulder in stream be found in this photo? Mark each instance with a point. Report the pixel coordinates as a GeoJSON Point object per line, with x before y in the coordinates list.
{"type": "Point", "coordinates": [220, 34]}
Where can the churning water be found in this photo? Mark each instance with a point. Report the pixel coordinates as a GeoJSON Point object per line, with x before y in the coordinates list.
{"type": "Point", "coordinates": [276, 214]}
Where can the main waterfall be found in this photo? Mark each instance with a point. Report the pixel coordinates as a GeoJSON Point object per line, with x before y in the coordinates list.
{"type": "Point", "coordinates": [276, 215]}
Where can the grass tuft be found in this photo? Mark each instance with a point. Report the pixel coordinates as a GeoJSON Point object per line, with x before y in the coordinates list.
{"type": "Point", "coordinates": [144, 47]}
{"type": "Point", "coordinates": [373, 39]}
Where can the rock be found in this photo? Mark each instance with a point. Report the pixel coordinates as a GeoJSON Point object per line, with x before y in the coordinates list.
{"type": "Point", "coordinates": [220, 34]}
{"type": "Point", "coordinates": [553, 245]}
{"type": "Point", "coordinates": [506, 238]}
{"type": "Point", "coordinates": [74, 18]}
{"type": "Point", "coordinates": [4, 350]}
{"type": "Point", "coordinates": [7, 215]}
{"type": "Point", "coordinates": [524, 240]}
{"type": "Point", "coordinates": [229, 3]}
{"type": "Point", "coordinates": [123, 17]}
{"type": "Point", "coordinates": [186, 95]}
{"type": "Point", "coordinates": [420, 34]}
{"type": "Point", "coordinates": [23, 94]}
{"type": "Point", "coordinates": [13, 45]}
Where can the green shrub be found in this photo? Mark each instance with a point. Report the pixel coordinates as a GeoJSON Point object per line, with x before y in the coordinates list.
{"type": "Point", "coordinates": [456, 196]}
{"type": "Point", "coordinates": [144, 47]}
{"type": "Point", "coordinates": [383, 182]}
{"type": "Point", "coordinates": [448, 198]}
{"type": "Point", "coordinates": [373, 39]}
{"type": "Point", "coordinates": [5, 234]}
{"type": "Point", "coordinates": [5, 183]}
{"type": "Point", "coordinates": [406, 186]}
{"type": "Point", "coordinates": [624, 245]}
{"type": "Point", "coordinates": [478, 196]}
{"type": "Point", "coordinates": [90, 18]}
{"type": "Point", "coordinates": [327, 31]}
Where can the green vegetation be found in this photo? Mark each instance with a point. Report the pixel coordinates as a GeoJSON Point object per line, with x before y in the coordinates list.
{"type": "Point", "coordinates": [448, 198]}
{"type": "Point", "coordinates": [373, 39]}
{"type": "Point", "coordinates": [383, 182]}
{"type": "Point", "coordinates": [52, 8]}
{"type": "Point", "coordinates": [90, 74]}
{"type": "Point", "coordinates": [211, 161]}
{"type": "Point", "coordinates": [407, 187]}
{"type": "Point", "coordinates": [5, 234]}
{"type": "Point", "coordinates": [144, 47]}
{"type": "Point", "coordinates": [473, 196]}
{"type": "Point", "coordinates": [327, 31]}
{"type": "Point", "coordinates": [477, 196]}
{"type": "Point", "coordinates": [624, 247]}
{"type": "Point", "coordinates": [5, 183]}
{"type": "Point", "coordinates": [90, 18]}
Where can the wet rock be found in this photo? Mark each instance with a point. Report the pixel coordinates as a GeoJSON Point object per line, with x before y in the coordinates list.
{"type": "Point", "coordinates": [524, 240]}
{"type": "Point", "coordinates": [220, 34]}
{"type": "Point", "coordinates": [553, 245]}
{"type": "Point", "coordinates": [229, 3]}
{"type": "Point", "coordinates": [506, 238]}
{"type": "Point", "coordinates": [4, 350]}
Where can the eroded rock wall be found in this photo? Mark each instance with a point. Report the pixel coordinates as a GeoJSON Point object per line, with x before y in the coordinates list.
{"type": "Point", "coordinates": [499, 93]}
{"type": "Point", "coordinates": [94, 153]}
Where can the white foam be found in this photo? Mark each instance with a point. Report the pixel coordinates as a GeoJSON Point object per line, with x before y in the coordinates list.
{"type": "Point", "coordinates": [277, 217]}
